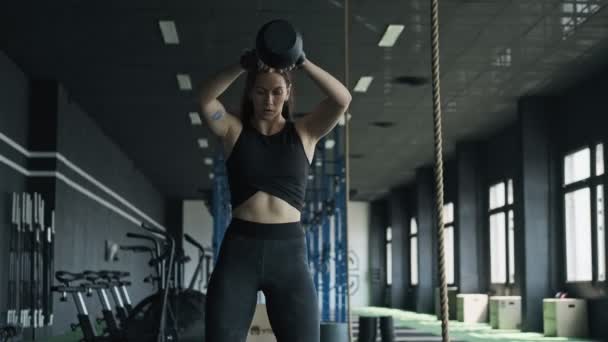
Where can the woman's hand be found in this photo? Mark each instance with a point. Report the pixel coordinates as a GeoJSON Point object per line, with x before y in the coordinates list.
{"type": "Point", "coordinates": [301, 60]}
{"type": "Point", "coordinates": [250, 60]}
{"type": "Point", "coordinates": [299, 63]}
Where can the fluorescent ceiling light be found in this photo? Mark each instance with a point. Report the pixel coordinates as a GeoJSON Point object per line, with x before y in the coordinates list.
{"type": "Point", "coordinates": [195, 118]}
{"type": "Point", "coordinates": [203, 143]}
{"type": "Point", "coordinates": [184, 82]}
{"type": "Point", "coordinates": [329, 144]}
{"type": "Point", "coordinates": [391, 35]}
{"type": "Point", "coordinates": [363, 84]}
{"type": "Point", "coordinates": [208, 161]}
{"type": "Point", "coordinates": [169, 31]}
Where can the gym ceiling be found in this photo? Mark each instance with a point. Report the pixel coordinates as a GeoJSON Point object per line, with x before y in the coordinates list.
{"type": "Point", "coordinates": [112, 58]}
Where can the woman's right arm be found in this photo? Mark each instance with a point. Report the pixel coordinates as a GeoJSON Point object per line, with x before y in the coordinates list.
{"type": "Point", "coordinates": [220, 122]}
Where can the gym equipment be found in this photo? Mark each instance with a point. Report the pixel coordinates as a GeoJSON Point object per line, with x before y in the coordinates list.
{"type": "Point", "coordinates": [278, 44]}
{"type": "Point", "coordinates": [505, 312]}
{"type": "Point", "coordinates": [438, 142]}
{"type": "Point", "coordinates": [29, 263]}
{"type": "Point", "coordinates": [49, 270]}
{"type": "Point", "coordinates": [84, 321]}
{"type": "Point", "coordinates": [122, 284]}
{"type": "Point", "coordinates": [203, 256]}
{"type": "Point", "coordinates": [334, 332]}
{"type": "Point", "coordinates": [25, 264]}
{"type": "Point", "coordinates": [345, 191]}
{"type": "Point", "coordinates": [452, 293]}
{"type": "Point", "coordinates": [114, 279]}
{"type": "Point", "coordinates": [118, 288]}
{"type": "Point", "coordinates": [14, 277]}
{"type": "Point", "coordinates": [387, 329]}
{"type": "Point", "coordinates": [89, 281]}
{"type": "Point", "coordinates": [96, 283]}
{"type": "Point", "coordinates": [565, 317]}
{"type": "Point", "coordinates": [154, 279]}
{"type": "Point", "coordinates": [38, 230]}
{"type": "Point", "coordinates": [7, 333]}
{"type": "Point", "coordinates": [368, 327]}
{"type": "Point", "coordinates": [159, 267]}
{"type": "Point", "coordinates": [180, 312]}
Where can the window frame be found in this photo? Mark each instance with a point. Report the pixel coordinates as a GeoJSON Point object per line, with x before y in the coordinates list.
{"type": "Point", "coordinates": [388, 242]}
{"type": "Point", "coordinates": [505, 209]}
{"type": "Point", "coordinates": [452, 225]}
{"type": "Point", "coordinates": [591, 183]}
{"type": "Point", "coordinates": [410, 237]}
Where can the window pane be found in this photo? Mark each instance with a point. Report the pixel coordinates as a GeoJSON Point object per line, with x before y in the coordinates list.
{"type": "Point", "coordinates": [601, 237]}
{"type": "Point", "coordinates": [599, 159]}
{"type": "Point", "coordinates": [449, 254]}
{"type": "Point", "coordinates": [413, 226]}
{"type": "Point", "coordinates": [448, 213]}
{"type": "Point", "coordinates": [510, 191]}
{"type": "Point", "coordinates": [577, 166]}
{"type": "Point", "coordinates": [389, 234]}
{"type": "Point", "coordinates": [497, 195]}
{"type": "Point", "coordinates": [414, 260]}
{"type": "Point", "coordinates": [498, 245]}
{"type": "Point", "coordinates": [511, 237]}
{"type": "Point", "coordinates": [578, 235]}
{"type": "Point", "coordinates": [389, 263]}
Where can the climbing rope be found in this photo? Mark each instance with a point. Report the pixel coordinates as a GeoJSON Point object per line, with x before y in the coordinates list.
{"type": "Point", "coordinates": [347, 164]}
{"type": "Point", "coordinates": [438, 141]}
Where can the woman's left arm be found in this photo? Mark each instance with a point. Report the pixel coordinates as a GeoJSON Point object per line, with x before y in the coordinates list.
{"type": "Point", "coordinates": [328, 112]}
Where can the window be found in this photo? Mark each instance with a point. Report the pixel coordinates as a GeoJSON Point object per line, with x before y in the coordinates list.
{"type": "Point", "coordinates": [413, 252]}
{"type": "Point", "coordinates": [502, 233]}
{"type": "Point", "coordinates": [448, 226]}
{"type": "Point", "coordinates": [578, 235]}
{"type": "Point", "coordinates": [584, 220]}
{"type": "Point", "coordinates": [575, 13]}
{"type": "Point", "coordinates": [601, 235]}
{"type": "Point", "coordinates": [389, 256]}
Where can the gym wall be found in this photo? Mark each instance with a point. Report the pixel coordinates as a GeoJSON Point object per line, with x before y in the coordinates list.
{"type": "Point", "coordinates": [378, 221]}
{"type": "Point", "coordinates": [85, 223]}
{"type": "Point", "coordinates": [398, 221]}
{"type": "Point", "coordinates": [580, 120]}
{"type": "Point", "coordinates": [501, 160]}
{"type": "Point", "coordinates": [14, 90]}
{"type": "Point", "coordinates": [38, 115]}
{"type": "Point", "coordinates": [530, 151]}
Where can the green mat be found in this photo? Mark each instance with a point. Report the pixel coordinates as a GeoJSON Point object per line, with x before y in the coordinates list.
{"type": "Point", "coordinates": [70, 336]}
{"type": "Point", "coordinates": [477, 332]}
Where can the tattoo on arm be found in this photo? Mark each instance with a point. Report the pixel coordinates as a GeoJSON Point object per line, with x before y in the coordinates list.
{"type": "Point", "coordinates": [217, 115]}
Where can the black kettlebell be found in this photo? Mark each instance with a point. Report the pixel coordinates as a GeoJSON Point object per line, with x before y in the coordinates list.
{"type": "Point", "coordinates": [279, 45]}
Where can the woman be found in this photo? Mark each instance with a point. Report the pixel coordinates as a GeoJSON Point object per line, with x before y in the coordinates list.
{"type": "Point", "coordinates": [267, 159]}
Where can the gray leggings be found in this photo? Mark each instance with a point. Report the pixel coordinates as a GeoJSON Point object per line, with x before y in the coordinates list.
{"type": "Point", "coordinates": [268, 257]}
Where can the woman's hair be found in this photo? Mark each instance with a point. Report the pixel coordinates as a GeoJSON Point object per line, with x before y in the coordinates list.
{"type": "Point", "coordinates": [247, 105]}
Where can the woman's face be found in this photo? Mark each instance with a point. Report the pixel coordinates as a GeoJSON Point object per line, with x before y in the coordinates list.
{"type": "Point", "coordinates": [268, 95]}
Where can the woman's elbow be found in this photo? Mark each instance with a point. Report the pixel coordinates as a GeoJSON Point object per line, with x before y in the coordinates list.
{"type": "Point", "coordinates": [346, 99]}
